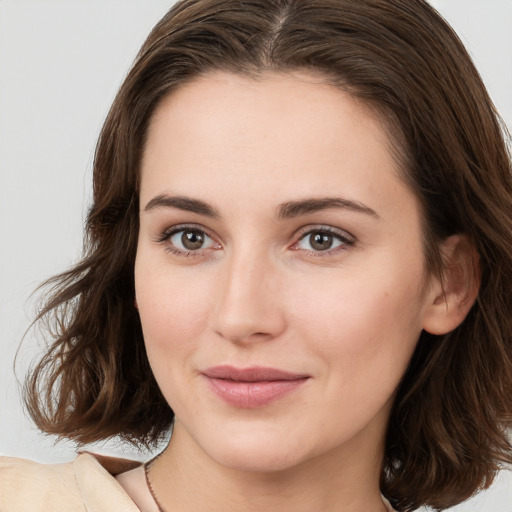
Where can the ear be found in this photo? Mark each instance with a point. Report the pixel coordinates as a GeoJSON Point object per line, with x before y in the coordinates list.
{"type": "Point", "coordinates": [453, 294]}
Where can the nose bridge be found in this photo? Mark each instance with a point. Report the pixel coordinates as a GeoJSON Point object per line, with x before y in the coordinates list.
{"type": "Point", "coordinates": [246, 302]}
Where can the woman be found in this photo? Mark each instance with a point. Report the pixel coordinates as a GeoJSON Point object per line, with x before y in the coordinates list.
{"type": "Point", "coordinates": [299, 258]}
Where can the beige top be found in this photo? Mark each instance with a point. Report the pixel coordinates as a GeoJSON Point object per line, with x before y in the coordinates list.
{"type": "Point", "coordinates": [88, 484]}
{"type": "Point", "coordinates": [85, 485]}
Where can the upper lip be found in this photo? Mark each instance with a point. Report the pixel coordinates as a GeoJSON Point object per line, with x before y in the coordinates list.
{"type": "Point", "coordinates": [251, 374]}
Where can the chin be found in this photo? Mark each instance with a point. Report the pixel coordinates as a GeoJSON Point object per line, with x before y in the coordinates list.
{"type": "Point", "coordinates": [259, 450]}
{"type": "Point", "coordinates": [258, 460]}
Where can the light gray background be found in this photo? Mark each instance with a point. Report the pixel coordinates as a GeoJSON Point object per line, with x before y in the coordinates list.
{"type": "Point", "coordinates": [61, 63]}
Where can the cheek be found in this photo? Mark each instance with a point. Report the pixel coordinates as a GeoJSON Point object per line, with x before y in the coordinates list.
{"type": "Point", "coordinates": [172, 312]}
{"type": "Point", "coordinates": [172, 308]}
{"type": "Point", "coordinates": [365, 326]}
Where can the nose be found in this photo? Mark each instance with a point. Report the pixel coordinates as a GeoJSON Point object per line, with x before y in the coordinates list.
{"type": "Point", "coordinates": [248, 307]}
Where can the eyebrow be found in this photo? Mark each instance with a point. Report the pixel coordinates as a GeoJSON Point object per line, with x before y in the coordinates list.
{"type": "Point", "coordinates": [296, 208]}
{"type": "Point", "coordinates": [287, 210]}
{"type": "Point", "coordinates": [182, 203]}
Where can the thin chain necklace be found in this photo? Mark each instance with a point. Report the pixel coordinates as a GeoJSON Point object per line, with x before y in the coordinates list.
{"type": "Point", "coordinates": [147, 467]}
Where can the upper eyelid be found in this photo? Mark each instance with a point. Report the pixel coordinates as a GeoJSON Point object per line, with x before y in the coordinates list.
{"type": "Point", "coordinates": [323, 227]}
{"type": "Point", "coordinates": [183, 227]}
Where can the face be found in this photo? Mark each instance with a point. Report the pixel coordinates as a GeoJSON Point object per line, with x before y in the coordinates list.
{"type": "Point", "coordinates": [279, 275]}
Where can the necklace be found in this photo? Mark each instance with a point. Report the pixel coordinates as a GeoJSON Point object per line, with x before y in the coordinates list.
{"type": "Point", "coordinates": [147, 466]}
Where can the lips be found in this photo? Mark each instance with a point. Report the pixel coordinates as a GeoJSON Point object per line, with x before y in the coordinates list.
{"type": "Point", "coordinates": [253, 387]}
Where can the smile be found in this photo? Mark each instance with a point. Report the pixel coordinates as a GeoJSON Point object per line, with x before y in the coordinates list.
{"type": "Point", "coordinates": [253, 387]}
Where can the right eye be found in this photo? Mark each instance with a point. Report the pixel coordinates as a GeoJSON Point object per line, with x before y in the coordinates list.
{"type": "Point", "coordinates": [188, 241]}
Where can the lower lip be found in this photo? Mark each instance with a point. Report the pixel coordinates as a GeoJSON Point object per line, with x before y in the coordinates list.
{"type": "Point", "coordinates": [250, 395]}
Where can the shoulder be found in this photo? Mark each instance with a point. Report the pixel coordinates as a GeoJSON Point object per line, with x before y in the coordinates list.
{"type": "Point", "coordinates": [26, 485]}
{"type": "Point", "coordinates": [83, 485]}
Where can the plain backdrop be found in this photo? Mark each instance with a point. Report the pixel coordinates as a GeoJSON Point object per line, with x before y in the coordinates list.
{"type": "Point", "coordinates": [61, 63]}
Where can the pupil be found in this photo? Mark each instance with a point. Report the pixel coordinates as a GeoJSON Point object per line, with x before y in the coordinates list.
{"type": "Point", "coordinates": [321, 241]}
{"type": "Point", "coordinates": [192, 240]}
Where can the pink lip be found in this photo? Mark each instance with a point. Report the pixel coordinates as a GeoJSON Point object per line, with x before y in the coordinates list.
{"type": "Point", "coordinates": [253, 387]}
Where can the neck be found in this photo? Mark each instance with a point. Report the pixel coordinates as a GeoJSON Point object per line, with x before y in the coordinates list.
{"type": "Point", "coordinates": [186, 479]}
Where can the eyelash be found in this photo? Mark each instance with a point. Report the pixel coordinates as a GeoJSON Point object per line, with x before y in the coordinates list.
{"type": "Point", "coordinates": [346, 240]}
{"type": "Point", "coordinates": [166, 236]}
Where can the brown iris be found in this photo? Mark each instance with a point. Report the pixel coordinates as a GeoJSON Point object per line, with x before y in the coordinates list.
{"type": "Point", "coordinates": [321, 241]}
{"type": "Point", "coordinates": [192, 240]}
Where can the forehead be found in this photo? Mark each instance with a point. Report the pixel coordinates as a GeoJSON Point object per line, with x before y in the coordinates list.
{"type": "Point", "coordinates": [226, 138]}
{"type": "Point", "coordinates": [298, 96]}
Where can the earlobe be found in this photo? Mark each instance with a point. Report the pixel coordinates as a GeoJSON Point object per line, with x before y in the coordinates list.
{"type": "Point", "coordinates": [454, 293]}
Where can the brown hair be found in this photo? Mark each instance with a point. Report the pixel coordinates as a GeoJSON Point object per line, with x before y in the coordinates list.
{"type": "Point", "coordinates": [447, 434]}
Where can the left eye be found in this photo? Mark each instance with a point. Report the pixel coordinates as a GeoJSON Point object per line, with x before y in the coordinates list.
{"type": "Point", "coordinates": [187, 240]}
{"type": "Point", "coordinates": [322, 240]}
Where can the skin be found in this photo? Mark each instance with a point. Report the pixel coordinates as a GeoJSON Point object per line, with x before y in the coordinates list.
{"type": "Point", "coordinates": [258, 293]}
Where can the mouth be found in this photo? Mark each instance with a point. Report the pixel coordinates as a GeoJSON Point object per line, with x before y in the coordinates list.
{"type": "Point", "coordinates": [252, 387]}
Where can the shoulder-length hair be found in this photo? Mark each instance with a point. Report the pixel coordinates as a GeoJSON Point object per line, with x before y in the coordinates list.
{"type": "Point", "coordinates": [447, 433]}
